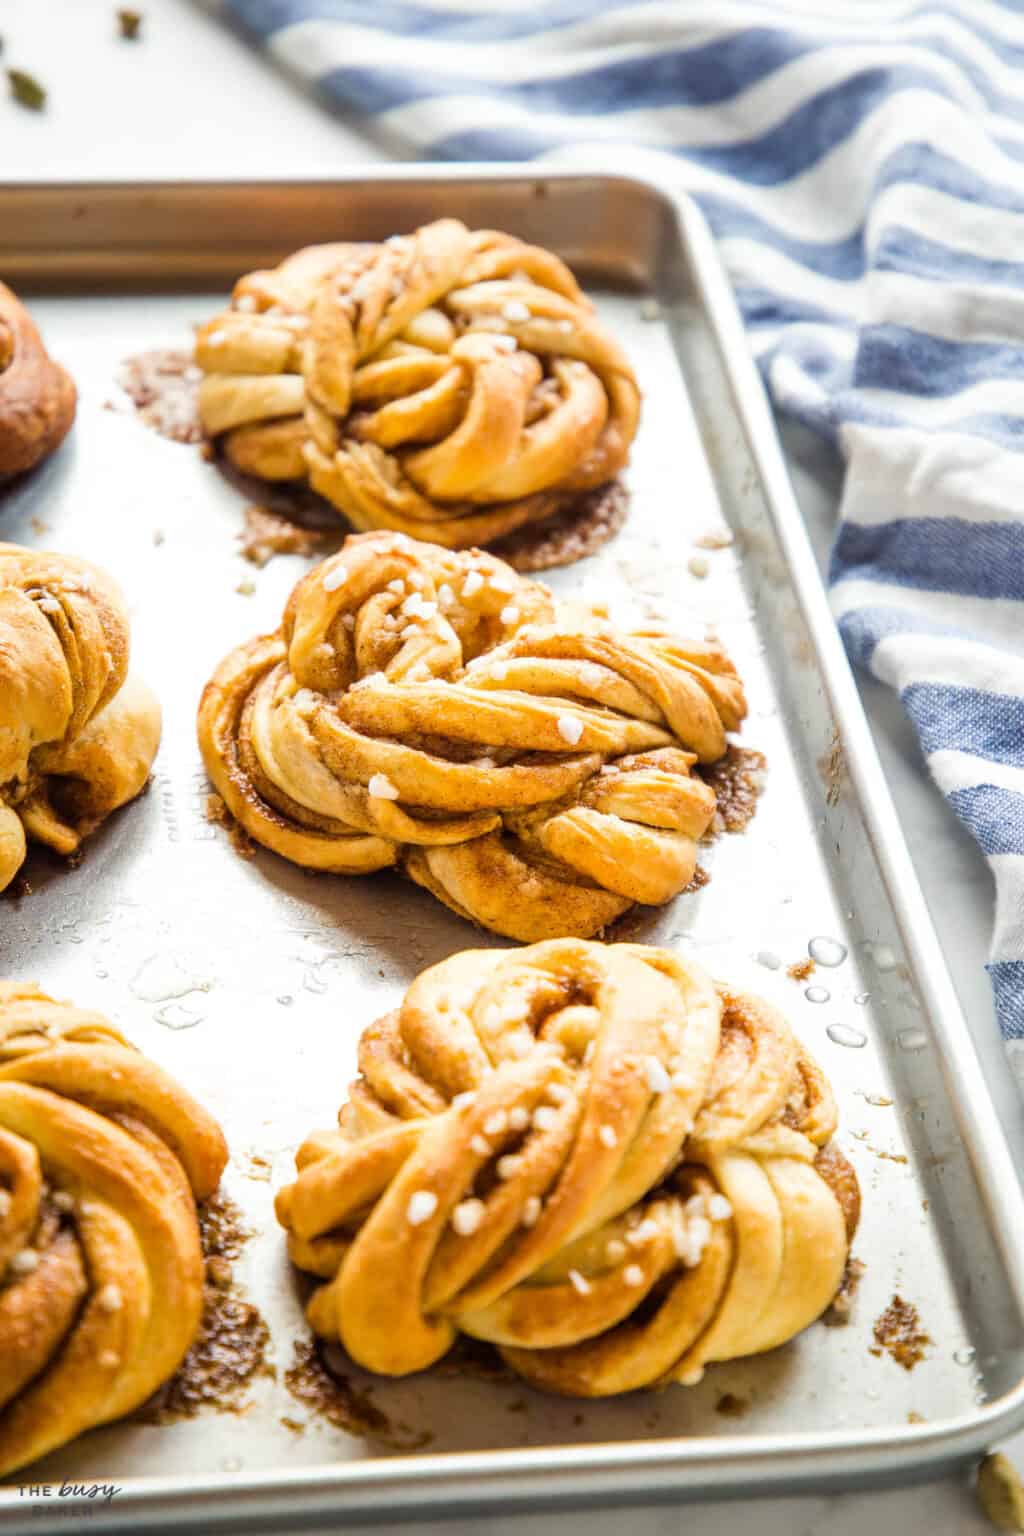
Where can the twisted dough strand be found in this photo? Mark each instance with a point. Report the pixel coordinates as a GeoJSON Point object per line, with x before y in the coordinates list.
{"type": "Point", "coordinates": [77, 734]}
{"type": "Point", "coordinates": [37, 396]}
{"type": "Point", "coordinates": [102, 1157]}
{"type": "Point", "coordinates": [522, 759]}
{"type": "Point", "coordinates": [586, 1154]}
{"type": "Point", "coordinates": [450, 384]}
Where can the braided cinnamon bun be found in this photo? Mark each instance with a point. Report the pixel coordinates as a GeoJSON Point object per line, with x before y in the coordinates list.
{"type": "Point", "coordinates": [452, 383]}
{"type": "Point", "coordinates": [523, 759]}
{"type": "Point", "coordinates": [586, 1154]}
{"type": "Point", "coordinates": [37, 396]}
{"type": "Point", "coordinates": [102, 1158]}
{"type": "Point", "coordinates": [77, 734]}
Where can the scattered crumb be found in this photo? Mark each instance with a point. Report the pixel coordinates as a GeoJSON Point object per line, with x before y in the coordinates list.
{"type": "Point", "coordinates": [718, 538]}
{"type": "Point", "coordinates": [246, 587]}
{"type": "Point", "coordinates": [650, 309]}
{"type": "Point", "coordinates": [800, 970]}
{"type": "Point", "coordinates": [898, 1333]}
{"type": "Point", "coordinates": [129, 23]}
{"type": "Point", "coordinates": [268, 533]}
{"type": "Point", "coordinates": [331, 1396]}
{"type": "Point", "coordinates": [39, 527]}
{"type": "Point", "coordinates": [698, 880]}
{"type": "Point", "coordinates": [838, 1313]}
{"type": "Point", "coordinates": [1000, 1492]}
{"type": "Point", "coordinates": [731, 1406]}
{"type": "Point", "coordinates": [699, 566]}
{"type": "Point", "coordinates": [580, 530]}
{"type": "Point", "coordinates": [231, 1348]}
{"type": "Point", "coordinates": [251, 1165]}
{"type": "Point", "coordinates": [916, 1418]}
{"type": "Point", "coordinates": [218, 1270]}
{"type": "Point", "coordinates": [296, 1426]}
{"type": "Point", "coordinates": [737, 779]}
{"type": "Point", "coordinates": [831, 767]}
{"type": "Point", "coordinates": [876, 1100]}
{"type": "Point", "coordinates": [163, 386]}
{"type": "Point", "coordinates": [880, 1152]}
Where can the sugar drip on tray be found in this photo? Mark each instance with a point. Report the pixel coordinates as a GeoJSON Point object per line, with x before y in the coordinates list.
{"type": "Point", "coordinates": [845, 1034]}
{"type": "Point", "coordinates": [827, 952]}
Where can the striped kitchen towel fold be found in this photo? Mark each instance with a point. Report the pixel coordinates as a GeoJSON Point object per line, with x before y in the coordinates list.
{"type": "Point", "coordinates": [862, 165]}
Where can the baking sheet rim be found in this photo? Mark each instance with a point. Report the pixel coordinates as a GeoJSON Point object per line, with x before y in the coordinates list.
{"type": "Point", "coordinates": [700, 1464]}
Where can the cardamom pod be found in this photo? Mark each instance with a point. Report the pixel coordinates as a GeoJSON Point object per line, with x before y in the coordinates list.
{"type": "Point", "coordinates": [26, 89]}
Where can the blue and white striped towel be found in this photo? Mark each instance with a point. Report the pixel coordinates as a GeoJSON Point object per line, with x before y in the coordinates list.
{"type": "Point", "coordinates": [862, 165]}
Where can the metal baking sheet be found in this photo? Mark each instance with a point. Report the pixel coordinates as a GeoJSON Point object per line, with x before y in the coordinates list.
{"type": "Point", "coordinates": [251, 980]}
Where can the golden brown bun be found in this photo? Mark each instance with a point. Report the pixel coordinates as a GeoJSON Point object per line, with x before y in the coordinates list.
{"type": "Point", "coordinates": [37, 396]}
{"type": "Point", "coordinates": [522, 759]}
{"type": "Point", "coordinates": [102, 1158]}
{"type": "Point", "coordinates": [452, 383]}
{"type": "Point", "coordinates": [586, 1154]}
{"type": "Point", "coordinates": [77, 734]}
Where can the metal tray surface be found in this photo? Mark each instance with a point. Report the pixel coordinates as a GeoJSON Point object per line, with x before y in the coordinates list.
{"type": "Point", "coordinates": [251, 980]}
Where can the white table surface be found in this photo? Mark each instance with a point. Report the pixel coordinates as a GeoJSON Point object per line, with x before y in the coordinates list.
{"type": "Point", "coordinates": [191, 99]}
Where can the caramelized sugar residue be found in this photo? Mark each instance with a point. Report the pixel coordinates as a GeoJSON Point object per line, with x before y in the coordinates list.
{"type": "Point", "coordinates": [475, 1359]}
{"type": "Point", "coordinates": [298, 521]}
{"type": "Point", "coordinates": [898, 1332]}
{"type": "Point", "coordinates": [218, 815]}
{"type": "Point", "coordinates": [880, 1152]}
{"type": "Point", "coordinates": [580, 530]}
{"type": "Point", "coordinates": [838, 1313]}
{"type": "Point", "coordinates": [268, 533]}
{"type": "Point", "coordinates": [331, 1395]}
{"type": "Point", "coordinates": [800, 970]}
{"type": "Point", "coordinates": [163, 386]}
{"type": "Point", "coordinates": [737, 779]}
{"type": "Point", "coordinates": [222, 1229]}
{"type": "Point", "coordinates": [831, 768]}
{"type": "Point", "coordinates": [291, 500]}
{"type": "Point", "coordinates": [231, 1347]}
